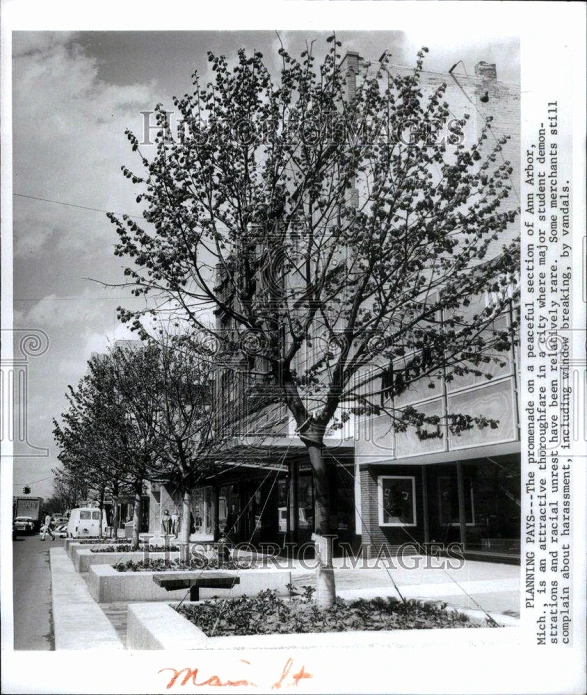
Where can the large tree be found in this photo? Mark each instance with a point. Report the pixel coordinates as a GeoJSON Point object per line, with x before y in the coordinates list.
{"type": "Point", "coordinates": [333, 228]}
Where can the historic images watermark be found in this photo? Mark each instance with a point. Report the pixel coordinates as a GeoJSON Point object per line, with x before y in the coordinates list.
{"type": "Point", "coordinates": [310, 131]}
{"type": "Point", "coordinates": [290, 555]}
{"type": "Point", "coordinates": [14, 383]}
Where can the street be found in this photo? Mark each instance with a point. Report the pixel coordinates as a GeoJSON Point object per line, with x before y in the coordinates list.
{"type": "Point", "coordinates": [32, 592]}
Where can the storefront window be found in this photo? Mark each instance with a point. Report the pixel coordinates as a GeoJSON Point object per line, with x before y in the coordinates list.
{"type": "Point", "coordinates": [202, 510]}
{"type": "Point", "coordinates": [497, 506]}
{"type": "Point", "coordinates": [305, 501]}
{"type": "Point", "coordinates": [397, 501]}
{"type": "Point", "coordinates": [491, 488]}
{"type": "Point", "coordinates": [448, 501]}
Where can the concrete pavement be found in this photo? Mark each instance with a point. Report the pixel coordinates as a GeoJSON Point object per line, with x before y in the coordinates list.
{"type": "Point", "coordinates": [489, 586]}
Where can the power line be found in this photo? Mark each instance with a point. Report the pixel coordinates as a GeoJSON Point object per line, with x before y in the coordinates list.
{"type": "Point", "coordinates": [69, 299]}
{"type": "Point", "coordinates": [73, 205]}
{"type": "Point", "coordinates": [33, 483]}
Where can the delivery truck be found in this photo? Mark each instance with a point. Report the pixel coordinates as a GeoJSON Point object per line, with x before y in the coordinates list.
{"type": "Point", "coordinates": [31, 507]}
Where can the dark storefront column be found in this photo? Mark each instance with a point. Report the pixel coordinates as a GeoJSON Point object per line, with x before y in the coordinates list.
{"type": "Point", "coordinates": [461, 498]}
{"type": "Point", "coordinates": [217, 531]}
{"type": "Point", "coordinates": [425, 520]}
{"type": "Point", "coordinates": [293, 503]}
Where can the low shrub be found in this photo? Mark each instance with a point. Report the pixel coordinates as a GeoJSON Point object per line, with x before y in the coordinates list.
{"type": "Point", "coordinates": [266, 614]}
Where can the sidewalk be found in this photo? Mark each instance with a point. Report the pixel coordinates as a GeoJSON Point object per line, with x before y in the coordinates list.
{"type": "Point", "coordinates": [493, 587]}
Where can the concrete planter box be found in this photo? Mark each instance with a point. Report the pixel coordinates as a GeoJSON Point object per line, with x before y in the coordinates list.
{"type": "Point", "coordinates": [157, 626]}
{"type": "Point", "coordinates": [107, 585]}
{"type": "Point", "coordinates": [71, 543]}
{"type": "Point", "coordinates": [83, 558]}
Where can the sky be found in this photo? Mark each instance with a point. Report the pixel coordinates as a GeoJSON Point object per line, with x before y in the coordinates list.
{"type": "Point", "coordinates": [74, 93]}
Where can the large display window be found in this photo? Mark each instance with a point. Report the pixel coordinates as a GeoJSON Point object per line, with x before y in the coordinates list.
{"type": "Point", "coordinates": [397, 500]}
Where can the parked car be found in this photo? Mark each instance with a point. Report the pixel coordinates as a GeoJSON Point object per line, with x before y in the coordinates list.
{"type": "Point", "coordinates": [59, 520]}
{"type": "Point", "coordinates": [14, 531]}
{"type": "Point", "coordinates": [24, 524]}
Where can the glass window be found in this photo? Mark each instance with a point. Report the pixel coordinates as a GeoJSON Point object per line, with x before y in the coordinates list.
{"type": "Point", "coordinates": [397, 501]}
{"type": "Point", "coordinates": [96, 516]}
{"type": "Point", "coordinates": [448, 501]}
{"type": "Point", "coordinates": [85, 516]}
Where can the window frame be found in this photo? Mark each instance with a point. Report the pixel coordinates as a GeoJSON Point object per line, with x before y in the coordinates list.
{"type": "Point", "coordinates": [381, 509]}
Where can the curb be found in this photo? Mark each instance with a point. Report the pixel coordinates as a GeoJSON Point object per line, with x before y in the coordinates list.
{"type": "Point", "coordinates": [79, 623]}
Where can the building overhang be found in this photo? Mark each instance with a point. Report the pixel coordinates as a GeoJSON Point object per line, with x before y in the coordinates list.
{"type": "Point", "coordinates": [275, 453]}
{"type": "Point", "coordinates": [476, 452]}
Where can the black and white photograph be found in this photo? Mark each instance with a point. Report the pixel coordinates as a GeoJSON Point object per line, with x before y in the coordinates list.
{"type": "Point", "coordinates": [293, 352]}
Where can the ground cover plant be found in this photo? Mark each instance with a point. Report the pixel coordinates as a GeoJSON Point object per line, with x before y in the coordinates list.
{"type": "Point", "coordinates": [197, 562]}
{"type": "Point", "coordinates": [266, 614]}
{"type": "Point", "coordinates": [96, 541]}
{"type": "Point", "coordinates": [127, 548]}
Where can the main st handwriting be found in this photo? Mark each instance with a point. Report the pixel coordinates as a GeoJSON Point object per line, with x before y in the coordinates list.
{"type": "Point", "coordinates": [192, 676]}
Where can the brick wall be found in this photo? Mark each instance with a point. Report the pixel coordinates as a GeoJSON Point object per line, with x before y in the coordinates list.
{"type": "Point", "coordinates": [378, 536]}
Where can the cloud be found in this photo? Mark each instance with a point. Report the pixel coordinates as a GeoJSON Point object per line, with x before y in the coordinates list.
{"type": "Point", "coordinates": [35, 43]}
{"type": "Point", "coordinates": [69, 144]}
{"type": "Point", "coordinates": [91, 307]}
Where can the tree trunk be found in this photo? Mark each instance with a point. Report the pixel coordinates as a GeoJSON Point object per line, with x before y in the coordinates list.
{"type": "Point", "coordinates": [101, 512]}
{"type": "Point", "coordinates": [184, 540]}
{"type": "Point", "coordinates": [116, 514]}
{"type": "Point", "coordinates": [325, 585]}
{"type": "Point", "coordinates": [136, 517]}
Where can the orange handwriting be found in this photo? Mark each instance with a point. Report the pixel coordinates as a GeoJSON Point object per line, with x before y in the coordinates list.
{"type": "Point", "coordinates": [192, 676]}
{"type": "Point", "coordinates": [297, 677]}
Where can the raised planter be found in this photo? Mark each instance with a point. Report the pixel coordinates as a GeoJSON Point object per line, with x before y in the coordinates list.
{"type": "Point", "coordinates": [154, 626]}
{"type": "Point", "coordinates": [70, 543]}
{"type": "Point", "coordinates": [107, 585]}
{"type": "Point", "coordinates": [83, 558]}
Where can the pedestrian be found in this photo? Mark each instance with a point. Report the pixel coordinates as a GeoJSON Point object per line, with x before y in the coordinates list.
{"type": "Point", "coordinates": [47, 528]}
{"type": "Point", "coordinates": [231, 524]}
{"type": "Point", "coordinates": [166, 523]}
{"type": "Point", "coordinates": [175, 523]}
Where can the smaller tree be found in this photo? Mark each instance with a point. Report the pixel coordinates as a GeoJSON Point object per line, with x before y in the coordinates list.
{"type": "Point", "coordinates": [100, 442]}
{"type": "Point", "coordinates": [168, 391]}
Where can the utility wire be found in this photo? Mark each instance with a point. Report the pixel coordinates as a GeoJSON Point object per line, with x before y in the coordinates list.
{"type": "Point", "coordinates": [73, 205]}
